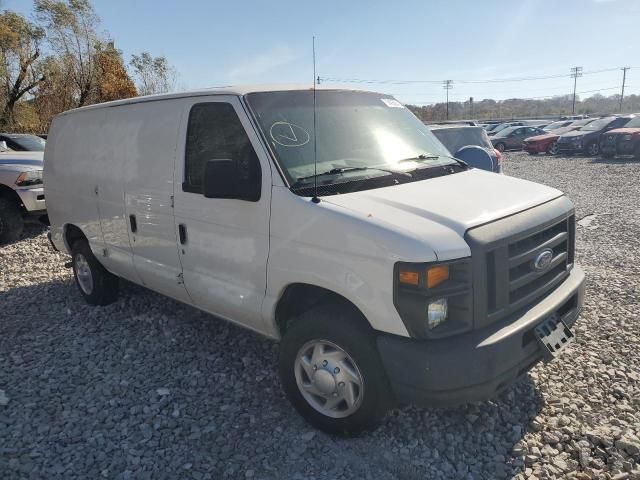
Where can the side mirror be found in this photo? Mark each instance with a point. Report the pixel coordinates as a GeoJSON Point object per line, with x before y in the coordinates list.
{"type": "Point", "coordinates": [3, 146]}
{"type": "Point", "coordinates": [226, 178]}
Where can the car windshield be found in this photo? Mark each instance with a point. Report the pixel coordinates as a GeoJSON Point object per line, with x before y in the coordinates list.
{"type": "Point", "coordinates": [633, 123]}
{"type": "Point", "coordinates": [353, 129]}
{"type": "Point", "coordinates": [597, 124]}
{"type": "Point", "coordinates": [554, 125]}
{"type": "Point", "coordinates": [455, 138]}
{"type": "Point", "coordinates": [32, 143]}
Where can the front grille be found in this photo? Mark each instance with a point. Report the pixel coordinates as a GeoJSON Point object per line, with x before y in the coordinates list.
{"type": "Point", "coordinates": [505, 281]}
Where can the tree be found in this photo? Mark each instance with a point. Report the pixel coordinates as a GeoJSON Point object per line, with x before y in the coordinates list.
{"type": "Point", "coordinates": [113, 82]}
{"type": "Point", "coordinates": [71, 27]}
{"type": "Point", "coordinates": [154, 75]}
{"type": "Point", "coordinates": [20, 69]}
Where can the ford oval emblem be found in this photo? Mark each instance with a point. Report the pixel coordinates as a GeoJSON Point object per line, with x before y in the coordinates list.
{"type": "Point", "coordinates": [543, 260]}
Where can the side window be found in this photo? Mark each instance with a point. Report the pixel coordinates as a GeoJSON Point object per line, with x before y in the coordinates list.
{"type": "Point", "coordinates": [214, 132]}
{"type": "Point", "coordinates": [518, 131]}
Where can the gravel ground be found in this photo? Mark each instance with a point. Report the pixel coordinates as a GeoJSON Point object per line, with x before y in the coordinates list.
{"type": "Point", "coordinates": [150, 388]}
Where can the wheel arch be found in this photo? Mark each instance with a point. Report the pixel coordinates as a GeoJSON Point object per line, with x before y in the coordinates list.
{"type": "Point", "coordinates": [71, 234]}
{"type": "Point", "coordinates": [297, 298]}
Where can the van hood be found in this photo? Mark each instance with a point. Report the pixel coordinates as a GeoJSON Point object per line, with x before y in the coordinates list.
{"type": "Point", "coordinates": [440, 210]}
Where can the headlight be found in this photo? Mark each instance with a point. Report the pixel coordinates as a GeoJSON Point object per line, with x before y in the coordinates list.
{"type": "Point", "coordinates": [29, 179]}
{"type": "Point", "coordinates": [437, 312]}
{"type": "Point", "coordinates": [434, 299]}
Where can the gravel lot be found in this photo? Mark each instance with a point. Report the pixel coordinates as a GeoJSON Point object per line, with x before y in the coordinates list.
{"type": "Point", "coordinates": [150, 388]}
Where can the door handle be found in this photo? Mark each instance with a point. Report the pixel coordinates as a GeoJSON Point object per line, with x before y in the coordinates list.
{"type": "Point", "coordinates": [182, 232]}
{"type": "Point", "coordinates": [134, 223]}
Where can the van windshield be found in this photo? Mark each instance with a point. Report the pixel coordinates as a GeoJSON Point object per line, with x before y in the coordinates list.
{"type": "Point", "coordinates": [372, 132]}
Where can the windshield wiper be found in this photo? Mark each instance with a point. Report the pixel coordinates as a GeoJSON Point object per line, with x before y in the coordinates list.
{"type": "Point", "coordinates": [419, 158]}
{"type": "Point", "coordinates": [431, 156]}
{"type": "Point", "coordinates": [341, 170]}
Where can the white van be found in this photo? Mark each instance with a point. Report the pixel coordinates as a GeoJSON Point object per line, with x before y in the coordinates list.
{"type": "Point", "coordinates": [388, 270]}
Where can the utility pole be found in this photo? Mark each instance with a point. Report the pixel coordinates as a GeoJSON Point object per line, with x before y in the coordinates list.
{"type": "Point", "coordinates": [575, 73]}
{"type": "Point", "coordinates": [471, 107]}
{"type": "Point", "coordinates": [447, 85]}
{"type": "Point", "coordinates": [624, 78]}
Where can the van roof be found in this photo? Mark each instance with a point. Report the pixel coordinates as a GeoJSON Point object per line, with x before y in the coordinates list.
{"type": "Point", "coordinates": [222, 90]}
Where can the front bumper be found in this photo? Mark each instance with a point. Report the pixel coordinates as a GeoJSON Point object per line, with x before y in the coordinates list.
{"type": "Point", "coordinates": [535, 147]}
{"type": "Point", "coordinates": [569, 148]}
{"type": "Point", "coordinates": [479, 364]}
{"type": "Point", "coordinates": [32, 198]}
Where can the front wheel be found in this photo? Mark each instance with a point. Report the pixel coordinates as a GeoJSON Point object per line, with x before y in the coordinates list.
{"type": "Point", "coordinates": [592, 149]}
{"type": "Point", "coordinates": [501, 147]}
{"type": "Point", "coordinates": [11, 222]}
{"type": "Point", "coordinates": [553, 149]}
{"type": "Point", "coordinates": [97, 285]}
{"type": "Point", "coordinates": [331, 371]}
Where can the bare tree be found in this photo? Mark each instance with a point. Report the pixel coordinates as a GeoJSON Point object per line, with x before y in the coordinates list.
{"type": "Point", "coordinates": [20, 67]}
{"type": "Point", "coordinates": [154, 75]}
{"type": "Point", "coordinates": [71, 27]}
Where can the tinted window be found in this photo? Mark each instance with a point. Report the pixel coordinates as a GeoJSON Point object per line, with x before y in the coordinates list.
{"type": "Point", "coordinates": [214, 133]}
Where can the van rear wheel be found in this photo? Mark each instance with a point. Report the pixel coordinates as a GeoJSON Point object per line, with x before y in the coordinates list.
{"type": "Point", "coordinates": [331, 371]}
{"type": "Point", "coordinates": [97, 285]}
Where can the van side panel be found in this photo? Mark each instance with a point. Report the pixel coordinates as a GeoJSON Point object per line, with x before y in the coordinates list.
{"type": "Point", "coordinates": [70, 176]}
{"type": "Point", "coordinates": [146, 136]}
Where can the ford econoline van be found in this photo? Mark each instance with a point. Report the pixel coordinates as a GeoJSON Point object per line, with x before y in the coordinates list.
{"type": "Point", "coordinates": [331, 220]}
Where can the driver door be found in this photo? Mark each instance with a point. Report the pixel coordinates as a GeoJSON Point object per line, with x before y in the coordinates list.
{"type": "Point", "coordinates": [223, 243]}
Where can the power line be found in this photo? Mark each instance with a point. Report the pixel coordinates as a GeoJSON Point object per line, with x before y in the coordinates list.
{"type": "Point", "coordinates": [491, 80]}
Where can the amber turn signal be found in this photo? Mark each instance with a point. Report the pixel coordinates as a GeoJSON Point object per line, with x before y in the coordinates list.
{"type": "Point", "coordinates": [407, 277]}
{"type": "Point", "coordinates": [436, 275]}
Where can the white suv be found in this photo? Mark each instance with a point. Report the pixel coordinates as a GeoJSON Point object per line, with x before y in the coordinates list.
{"type": "Point", "coordinates": [21, 191]}
{"type": "Point", "coordinates": [333, 221]}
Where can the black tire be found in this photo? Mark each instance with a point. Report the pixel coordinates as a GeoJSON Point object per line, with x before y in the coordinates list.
{"type": "Point", "coordinates": [501, 147]}
{"type": "Point", "coordinates": [11, 221]}
{"type": "Point", "coordinates": [592, 149]}
{"type": "Point", "coordinates": [104, 285]}
{"type": "Point", "coordinates": [636, 152]}
{"type": "Point", "coordinates": [337, 325]}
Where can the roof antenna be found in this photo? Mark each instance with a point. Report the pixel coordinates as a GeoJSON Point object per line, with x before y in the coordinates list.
{"type": "Point", "coordinates": [315, 198]}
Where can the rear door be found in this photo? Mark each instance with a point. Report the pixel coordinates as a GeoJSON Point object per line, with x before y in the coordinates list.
{"type": "Point", "coordinates": [223, 243]}
{"type": "Point", "coordinates": [149, 132]}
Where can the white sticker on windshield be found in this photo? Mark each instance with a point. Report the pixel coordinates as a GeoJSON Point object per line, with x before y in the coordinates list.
{"type": "Point", "coordinates": [392, 102]}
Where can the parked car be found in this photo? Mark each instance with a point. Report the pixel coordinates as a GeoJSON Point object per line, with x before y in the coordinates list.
{"type": "Point", "coordinates": [388, 270]}
{"type": "Point", "coordinates": [556, 125]}
{"type": "Point", "coordinates": [470, 144]}
{"type": "Point", "coordinates": [587, 139]}
{"type": "Point", "coordinates": [547, 142]}
{"type": "Point", "coordinates": [501, 126]}
{"type": "Point", "coordinates": [21, 192]}
{"type": "Point", "coordinates": [511, 138]}
{"type": "Point", "coordinates": [23, 142]}
{"type": "Point", "coordinates": [622, 141]}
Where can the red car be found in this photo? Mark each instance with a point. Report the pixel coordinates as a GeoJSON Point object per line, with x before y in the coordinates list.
{"type": "Point", "coordinates": [547, 142]}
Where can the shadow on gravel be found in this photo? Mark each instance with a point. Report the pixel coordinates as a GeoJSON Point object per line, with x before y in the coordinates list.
{"type": "Point", "coordinates": [148, 387]}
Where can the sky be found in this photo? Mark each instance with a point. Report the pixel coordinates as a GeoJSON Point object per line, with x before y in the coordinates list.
{"type": "Point", "coordinates": [214, 43]}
